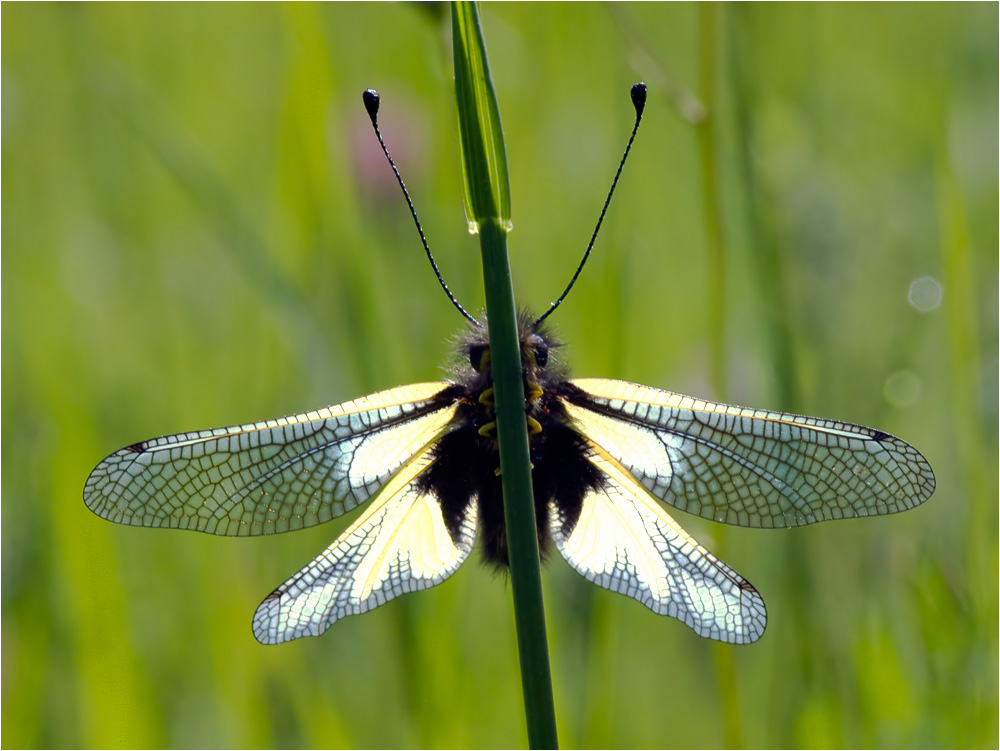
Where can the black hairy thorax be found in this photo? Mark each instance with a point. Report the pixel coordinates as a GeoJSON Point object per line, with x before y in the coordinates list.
{"type": "Point", "coordinates": [465, 463]}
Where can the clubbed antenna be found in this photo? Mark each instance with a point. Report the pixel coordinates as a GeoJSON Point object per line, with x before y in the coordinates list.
{"type": "Point", "coordinates": [639, 102]}
{"type": "Point", "coordinates": [371, 99]}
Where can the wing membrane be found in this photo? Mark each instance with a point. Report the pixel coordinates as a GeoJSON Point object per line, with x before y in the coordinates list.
{"type": "Point", "coordinates": [749, 467]}
{"type": "Point", "coordinates": [399, 545]}
{"type": "Point", "coordinates": [272, 476]}
{"type": "Point", "coordinates": [624, 541]}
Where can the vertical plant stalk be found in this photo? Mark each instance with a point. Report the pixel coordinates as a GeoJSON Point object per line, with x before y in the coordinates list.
{"type": "Point", "coordinates": [765, 251]}
{"type": "Point", "coordinates": [769, 264]}
{"type": "Point", "coordinates": [708, 76]}
{"type": "Point", "coordinates": [487, 195]}
{"type": "Point", "coordinates": [708, 54]}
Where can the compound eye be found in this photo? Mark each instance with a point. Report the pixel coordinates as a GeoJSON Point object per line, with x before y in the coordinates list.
{"type": "Point", "coordinates": [541, 350]}
{"type": "Point", "coordinates": [479, 358]}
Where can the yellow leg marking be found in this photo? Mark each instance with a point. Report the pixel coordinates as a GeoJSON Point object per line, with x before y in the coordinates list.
{"type": "Point", "coordinates": [534, 391]}
{"type": "Point", "coordinates": [486, 398]}
{"type": "Point", "coordinates": [487, 430]}
{"type": "Point", "coordinates": [497, 470]}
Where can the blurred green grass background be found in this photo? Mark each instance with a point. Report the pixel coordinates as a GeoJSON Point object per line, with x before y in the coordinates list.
{"type": "Point", "coordinates": [199, 231]}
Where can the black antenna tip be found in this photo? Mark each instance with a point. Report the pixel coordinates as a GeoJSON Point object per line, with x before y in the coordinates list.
{"type": "Point", "coordinates": [372, 99]}
{"type": "Point", "coordinates": [638, 97]}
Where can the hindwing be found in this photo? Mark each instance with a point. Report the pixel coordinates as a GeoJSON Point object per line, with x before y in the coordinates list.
{"type": "Point", "coordinates": [623, 541]}
{"type": "Point", "coordinates": [400, 544]}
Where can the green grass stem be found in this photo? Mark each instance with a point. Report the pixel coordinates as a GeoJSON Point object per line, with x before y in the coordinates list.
{"type": "Point", "coordinates": [487, 200]}
{"type": "Point", "coordinates": [715, 248]}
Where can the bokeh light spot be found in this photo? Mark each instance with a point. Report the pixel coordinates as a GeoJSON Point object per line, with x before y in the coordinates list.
{"type": "Point", "coordinates": [902, 388]}
{"type": "Point", "coordinates": [925, 294]}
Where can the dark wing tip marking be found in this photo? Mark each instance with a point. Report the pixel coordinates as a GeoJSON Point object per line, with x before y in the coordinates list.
{"type": "Point", "coordinates": [135, 448]}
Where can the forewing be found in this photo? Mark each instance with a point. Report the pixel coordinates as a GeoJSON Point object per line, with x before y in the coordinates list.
{"type": "Point", "coordinates": [272, 476]}
{"type": "Point", "coordinates": [624, 541]}
{"type": "Point", "coordinates": [749, 467]}
{"type": "Point", "coordinates": [400, 544]}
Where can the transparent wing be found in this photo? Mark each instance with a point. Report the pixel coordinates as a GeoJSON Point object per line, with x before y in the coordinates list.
{"type": "Point", "coordinates": [624, 541]}
{"type": "Point", "coordinates": [272, 476]}
{"type": "Point", "coordinates": [400, 544]}
{"type": "Point", "coordinates": [749, 467]}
